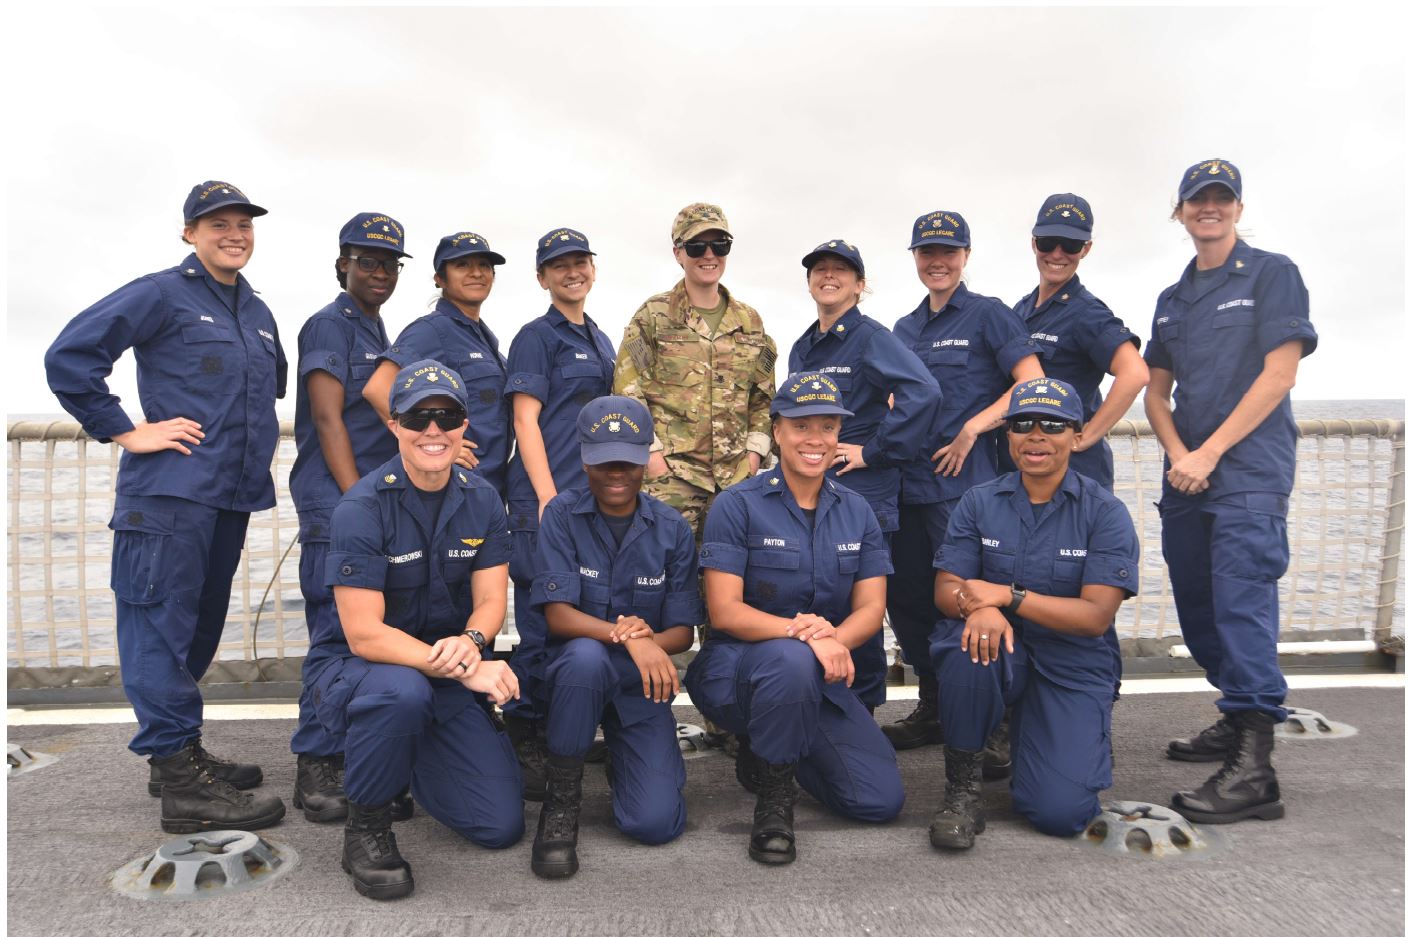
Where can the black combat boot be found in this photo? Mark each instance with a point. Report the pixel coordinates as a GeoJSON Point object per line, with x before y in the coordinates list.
{"type": "Point", "coordinates": [921, 727]}
{"type": "Point", "coordinates": [997, 754]}
{"type": "Point", "coordinates": [772, 841]}
{"type": "Point", "coordinates": [1245, 786]}
{"type": "Point", "coordinates": [370, 856]}
{"type": "Point", "coordinates": [403, 807]}
{"type": "Point", "coordinates": [555, 845]}
{"type": "Point", "coordinates": [241, 776]}
{"type": "Point", "coordinates": [193, 799]}
{"type": "Point", "coordinates": [960, 819]}
{"type": "Point", "coordinates": [532, 751]}
{"type": "Point", "coordinates": [1211, 744]}
{"type": "Point", "coordinates": [317, 789]}
{"type": "Point", "coordinates": [746, 766]}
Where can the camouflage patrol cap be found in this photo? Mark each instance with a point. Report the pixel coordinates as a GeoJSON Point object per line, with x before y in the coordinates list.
{"type": "Point", "coordinates": [697, 218]}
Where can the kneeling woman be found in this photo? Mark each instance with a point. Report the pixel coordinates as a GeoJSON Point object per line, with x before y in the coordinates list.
{"type": "Point", "coordinates": [794, 575]}
{"type": "Point", "coordinates": [619, 587]}
{"type": "Point", "coordinates": [1037, 645]}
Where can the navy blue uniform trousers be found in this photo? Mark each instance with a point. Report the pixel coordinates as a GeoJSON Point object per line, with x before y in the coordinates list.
{"type": "Point", "coordinates": [911, 586]}
{"type": "Point", "coordinates": [773, 692]}
{"type": "Point", "coordinates": [1060, 736]}
{"type": "Point", "coordinates": [593, 684]}
{"type": "Point", "coordinates": [172, 564]}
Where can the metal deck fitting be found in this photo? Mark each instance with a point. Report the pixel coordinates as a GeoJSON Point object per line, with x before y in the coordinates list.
{"type": "Point", "coordinates": [204, 865]}
{"type": "Point", "coordinates": [1133, 828]}
{"type": "Point", "coordinates": [1303, 724]}
{"type": "Point", "coordinates": [692, 741]}
{"type": "Point", "coordinates": [19, 760]}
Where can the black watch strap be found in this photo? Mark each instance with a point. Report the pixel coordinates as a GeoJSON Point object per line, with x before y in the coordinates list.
{"type": "Point", "coordinates": [1018, 594]}
{"type": "Point", "coordinates": [477, 637]}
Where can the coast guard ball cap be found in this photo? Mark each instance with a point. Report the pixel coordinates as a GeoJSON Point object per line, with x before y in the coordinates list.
{"type": "Point", "coordinates": [1064, 215]}
{"type": "Point", "coordinates": [839, 248]}
{"type": "Point", "coordinates": [561, 241]}
{"type": "Point", "coordinates": [212, 196]}
{"type": "Point", "coordinates": [615, 429]}
{"type": "Point", "coordinates": [696, 219]}
{"type": "Point", "coordinates": [1210, 172]}
{"type": "Point", "coordinates": [426, 378]}
{"type": "Point", "coordinates": [373, 229]}
{"type": "Point", "coordinates": [808, 393]}
{"type": "Point", "coordinates": [941, 227]}
{"type": "Point", "coordinates": [464, 244]}
{"type": "Point", "coordinates": [1046, 397]}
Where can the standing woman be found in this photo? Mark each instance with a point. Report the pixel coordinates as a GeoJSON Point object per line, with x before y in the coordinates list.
{"type": "Point", "coordinates": [976, 349]}
{"type": "Point", "coordinates": [209, 366]}
{"type": "Point", "coordinates": [1227, 340]}
{"type": "Point", "coordinates": [871, 367]}
{"type": "Point", "coordinates": [556, 365]}
{"type": "Point", "coordinates": [454, 334]}
{"type": "Point", "coordinates": [794, 577]}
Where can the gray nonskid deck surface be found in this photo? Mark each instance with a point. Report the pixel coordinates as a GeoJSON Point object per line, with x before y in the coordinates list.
{"type": "Point", "coordinates": [1334, 865]}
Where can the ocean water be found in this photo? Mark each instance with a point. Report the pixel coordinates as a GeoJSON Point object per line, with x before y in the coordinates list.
{"type": "Point", "coordinates": [1339, 515]}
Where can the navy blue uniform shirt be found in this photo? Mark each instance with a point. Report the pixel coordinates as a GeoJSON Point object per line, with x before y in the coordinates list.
{"type": "Point", "coordinates": [382, 539]}
{"type": "Point", "coordinates": [1214, 336]}
{"type": "Point", "coordinates": [197, 357]}
{"type": "Point", "coordinates": [970, 347]}
{"type": "Point", "coordinates": [868, 363]}
{"type": "Point", "coordinates": [756, 530]}
{"type": "Point", "coordinates": [652, 575]}
{"type": "Point", "coordinates": [557, 363]}
{"type": "Point", "coordinates": [1078, 336]}
{"type": "Point", "coordinates": [1084, 537]}
{"type": "Point", "coordinates": [458, 342]}
{"type": "Point", "coordinates": [338, 340]}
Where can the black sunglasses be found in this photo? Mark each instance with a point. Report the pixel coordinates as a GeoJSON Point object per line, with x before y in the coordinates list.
{"type": "Point", "coordinates": [1070, 245]}
{"type": "Point", "coordinates": [721, 247]}
{"type": "Point", "coordinates": [367, 264]}
{"type": "Point", "coordinates": [1049, 427]}
{"type": "Point", "coordinates": [417, 421]}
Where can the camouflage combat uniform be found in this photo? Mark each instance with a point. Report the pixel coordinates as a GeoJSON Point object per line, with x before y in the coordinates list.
{"type": "Point", "coordinates": [708, 395]}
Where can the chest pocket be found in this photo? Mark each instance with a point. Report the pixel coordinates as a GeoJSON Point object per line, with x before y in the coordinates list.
{"type": "Point", "coordinates": [847, 561]}
{"type": "Point", "coordinates": [680, 360]}
{"type": "Point", "coordinates": [405, 585]}
{"type": "Point", "coordinates": [1170, 332]}
{"type": "Point", "coordinates": [358, 375]}
{"type": "Point", "coordinates": [484, 385]}
{"type": "Point", "coordinates": [949, 357]}
{"type": "Point", "coordinates": [1066, 577]}
{"type": "Point", "coordinates": [998, 565]}
{"type": "Point", "coordinates": [649, 600]}
{"type": "Point", "coordinates": [214, 360]}
{"type": "Point", "coordinates": [595, 598]}
{"type": "Point", "coordinates": [748, 360]}
{"type": "Point", "coordinates": [581, 380]}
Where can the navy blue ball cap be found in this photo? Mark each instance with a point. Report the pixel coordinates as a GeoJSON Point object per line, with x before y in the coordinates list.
{"type": "Point", "coordinates": [837, 247]}
{"type": "Point", "coordinates": [463, 244]}
{"type": "Point", "coordinates": [1210, 172]}
{"type": "Point", "coordinates": [615, 429]}
{"type": "Point", "coordinates": [808, 393]}
{"type": "Point", "coordinates": [561, 241]}
{"type": "Point", "coordinates": [941, 227]}
{"type": "Point", "coordinates": [1046, 397]}
{"type": "Point", "coordinates": [373, 229]}
{"type": "Point", "coordinates": [422, 379]}
{"type": "Point", "coordinates": [1064, 215]}
{"type": "Point", "coordinates": [212, 196]}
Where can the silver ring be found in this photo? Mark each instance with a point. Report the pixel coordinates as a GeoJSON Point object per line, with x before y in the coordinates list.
{"type": "Point", "coordinates": [982, 637]}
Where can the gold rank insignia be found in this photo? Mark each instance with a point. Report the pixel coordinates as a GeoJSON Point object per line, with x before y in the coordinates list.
{"type": "Point", "coordinates": [772, 481]}
{"type": "Point", "coordinates": [840, 328]}
{"type": "Point", "coordinates": [463, 477]}
{"type": "Point", "coordinates": [389, 479]}
{"type": "Point", "coordinates": [1065, 296]}
{"type": "Point", "coordinates": [1240, 265]}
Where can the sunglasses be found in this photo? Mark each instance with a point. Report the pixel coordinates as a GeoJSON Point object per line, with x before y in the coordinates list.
{"type": "Point", "coordinates": [370, 264]}
{"type": "Point", "coordinates": [417, 421]}
{"type": "Point", "coordinates": [721, 247]}
{"type": "Point", "coordinates": [1070, 245]}
{"type": "Point", "coordinates": [1049, 427]}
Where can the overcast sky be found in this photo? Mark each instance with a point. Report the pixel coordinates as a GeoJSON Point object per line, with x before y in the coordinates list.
{"type": "Point", "coordinates": [802, 123]}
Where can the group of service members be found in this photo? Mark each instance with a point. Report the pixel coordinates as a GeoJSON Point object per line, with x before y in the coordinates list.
{"type": "Point", "coordinates": [952, 471]}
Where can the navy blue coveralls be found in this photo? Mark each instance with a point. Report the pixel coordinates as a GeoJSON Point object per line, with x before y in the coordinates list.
{"type": "Point", "coordinates": [868, 364]}
{"type": "Point", "coordinates": [562, 366]}
{"type": "Point", "coordinates": [209, 353]}
{"type": "Point", "coordinates": [342, 342]}
{"type": "Point", "coordinates": [970, 347]}
{"type": "Point", "coordinates": [1060, 686]}
{"type": "Point", "coordinates": [402, 726]}
{"type": "Point", "coordinates": [470, 348]}
{"type": "Point", "coordinates": [773, 691]}
{"type": "Point", "coordinates": [652, 575]}
{"type": "Point", "coordinates": [1227, 547]}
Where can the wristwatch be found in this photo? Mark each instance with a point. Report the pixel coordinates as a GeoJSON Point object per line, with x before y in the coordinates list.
{"type": "Point", "coordinates": [1018, 594]}
{"type": "Point", "coordinates": [478, 638]}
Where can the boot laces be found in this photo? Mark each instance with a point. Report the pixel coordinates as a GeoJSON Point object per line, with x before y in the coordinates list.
{"type": "Point", "coordinates": [379, 844]}
{"type": "Point", "coordinates": [559, 822]}
{"type": "Point", "coordinates": [216, 786]}
{"type": "Point", "coordinates": [326, 773]}
{"type": "Point", "coordinates": [775, 791]}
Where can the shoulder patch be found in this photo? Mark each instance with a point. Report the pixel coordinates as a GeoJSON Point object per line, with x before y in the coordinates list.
{"type": "Point", "coordinates": [640, 353]}
{"type": "Point", "coordinates": [767, 359]}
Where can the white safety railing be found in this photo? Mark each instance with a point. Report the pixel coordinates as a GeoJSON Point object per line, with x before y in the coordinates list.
{"type": "Point", "coordinates": [1346, 523]}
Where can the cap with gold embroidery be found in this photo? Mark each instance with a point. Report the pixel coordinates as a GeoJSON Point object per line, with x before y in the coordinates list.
{"type": "Point", "coordinates": [615, 429]}
{"type": "Point", "coordinates": [464, 244]}
{"type": "Point", "coordinates": [837, 247]}
{"type": "Point", "coordinates": [212, 196]}
{"type": "Point", "coordinates": [1064, 215]}
{"type": "Point", "coordinates": [1210, 172]}
{"type": "Point", "coordinates": [561, 241]}
{"type": "Point", "coordinates": [373, 229]}
{"type": "Point", "coordinates": [426, 378]}
{"type": "Point", "coordinates": [808, 393]}
{"type": "Point", "coordinates": [1046, 396]}
{"type": "Point", "coordinates": [941, 227]}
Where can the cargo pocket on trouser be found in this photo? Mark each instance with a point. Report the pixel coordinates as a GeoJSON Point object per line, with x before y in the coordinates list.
{"type": "Point", "coordinates": [332, 691]}
{"type": "Point", "coordinates": [140, 544]}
